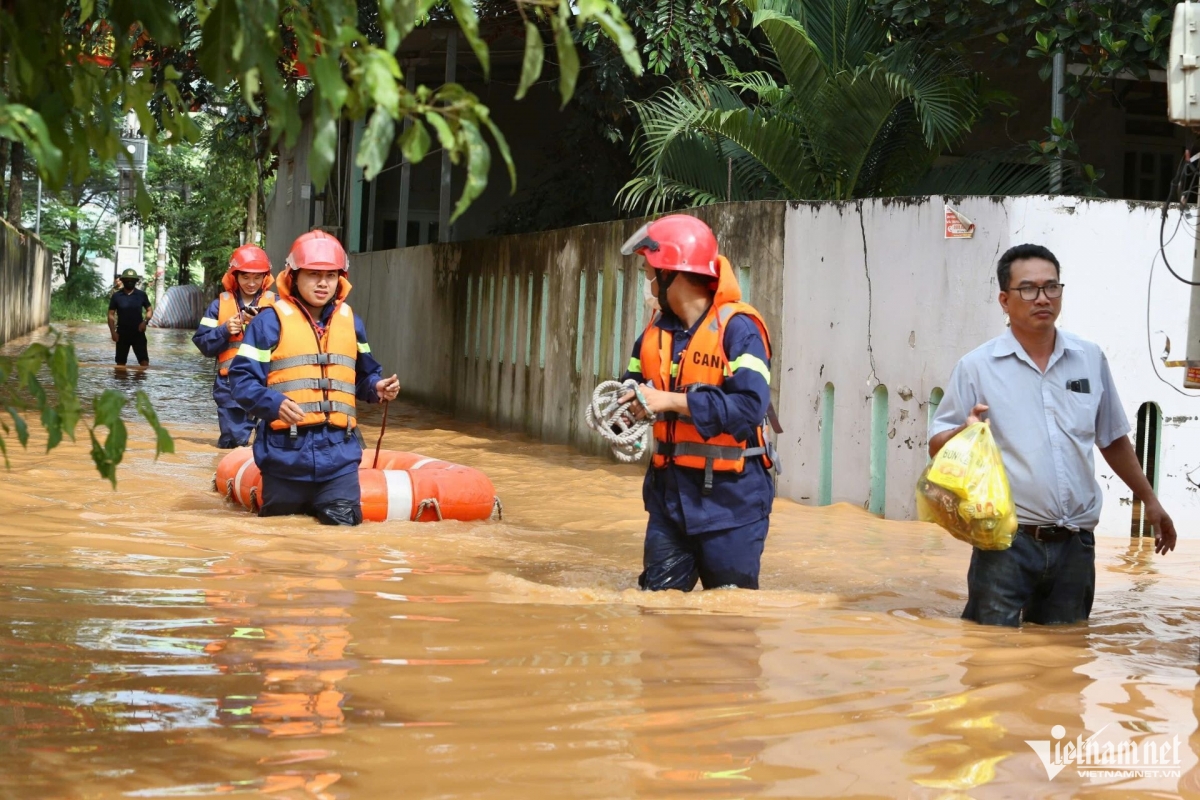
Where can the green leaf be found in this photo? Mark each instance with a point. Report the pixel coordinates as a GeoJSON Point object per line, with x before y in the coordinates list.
{"type": "Point", "coordinates": [479, 163]}
{"type": "Point", "coordinates": [54, 428]}
{"type": "Point", "coordinates": [86, 9]}
{"type": "Point", "coordinates": [468, 21]}
{"type": "Point", "coordinates": [142, 198]}
{"type": "Point", "coordinates": [376, 143]}
{"type": "Point", "coordinates": [615, 28]}
{"type": "Point", "coordinates": [19, 424]}
{"type": "Point", "coordinates": [328, 81]}
{"type": "Point", "coordinates": [159, 19]}
{"type": "Point", "coordinates": [501, 145]}
{"type": "Point", "coordinates": [568, 59]}
{"type": "Point", "coordinates": [109, 454]}
{"type": "Point", "coordinates": [324, 146]}
{"type": "Point", "coordinates": [414, 142]}
{"type": "Point", "coordinates": [445, 135]}
{"type": "Point", "coordinates": [100, 457]}
{"type": "Point", "coordinates": [163, 441]}
{"type": "Point", "coordinates": [531, 65]}
{"type": "Point", "coordinates": [107, 407]}
{"type": "Point", "coordinates": [219, 33]}
{"type": "Point", "coordinates": [381, 75]}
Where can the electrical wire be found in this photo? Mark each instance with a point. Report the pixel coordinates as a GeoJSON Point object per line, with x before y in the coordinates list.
{"type": "Point", "coordinates": [1149, 286]}
{"type": "Point", "coordinates": [1185, 165]}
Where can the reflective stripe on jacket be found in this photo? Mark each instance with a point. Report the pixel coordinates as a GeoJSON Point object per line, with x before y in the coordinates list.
{"type": "Point", "coordinates": [317, 372]}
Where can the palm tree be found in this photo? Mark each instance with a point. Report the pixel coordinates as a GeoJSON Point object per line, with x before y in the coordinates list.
{"type": "Point", "coordinates": [857, 116]}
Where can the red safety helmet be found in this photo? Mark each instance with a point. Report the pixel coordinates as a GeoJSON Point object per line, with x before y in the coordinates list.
{"type": "Point", "coordinates": [677, 242]}
{"type": "Point", "coordinates": [317, 250]}
{"type": "Point", "coordinates": [249, 258]}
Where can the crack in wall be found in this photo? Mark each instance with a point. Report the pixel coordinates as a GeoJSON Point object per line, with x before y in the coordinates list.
{"type": "Point", "coordinates": [870, 297]}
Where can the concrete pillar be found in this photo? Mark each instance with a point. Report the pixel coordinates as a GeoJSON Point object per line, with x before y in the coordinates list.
{"type": "Point", "coordinates": [444, 198]}
{"type": "Point", "coordinates": [410, 81]}
{"type": "Point", "coordinates": [354, 201]}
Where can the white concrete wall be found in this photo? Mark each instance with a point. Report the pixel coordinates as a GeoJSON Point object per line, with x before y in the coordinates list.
{"type": "Point", "coordinates": [873, 293]}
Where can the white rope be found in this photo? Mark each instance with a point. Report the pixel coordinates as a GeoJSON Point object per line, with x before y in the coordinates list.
{"type": "Point", "coordinates": [612, 419]}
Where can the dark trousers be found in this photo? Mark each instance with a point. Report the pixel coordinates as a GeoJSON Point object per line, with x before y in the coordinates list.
{"type": "Point", "coordinates": [1048, 583]}
{"type": "Point", "coordinates": [236, 427]}
{"type": "Point", "coordinates": [674, 559]}
{"type": "Point", "coordinates": [333, 502]}
{"type": "Point", "coordinates": [137, 340]}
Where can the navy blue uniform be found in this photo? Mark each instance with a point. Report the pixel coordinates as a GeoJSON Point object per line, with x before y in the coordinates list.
{"type": "Point", "coordinates": [316, 471]}
{"type": "Point", "coordinates": [717, 538]}
{"type": "Point", "coordinates": [128, 306]}
{"type": "Point", "coordinates": [212, 339]}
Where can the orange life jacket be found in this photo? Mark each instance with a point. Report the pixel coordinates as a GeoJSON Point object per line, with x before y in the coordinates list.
{"type": "Point", "coordinates": [229, 308]}
{"type": "Point", "coordinates": [318, 373]}
{"type": "Point", "coordinates": [703, 362]}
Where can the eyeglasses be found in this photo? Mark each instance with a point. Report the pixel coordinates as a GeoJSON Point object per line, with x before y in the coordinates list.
{"type": "Point", "coordinates": [1030, 293]}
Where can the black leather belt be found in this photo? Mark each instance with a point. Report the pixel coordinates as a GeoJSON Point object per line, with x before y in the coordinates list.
{"type": "Point", "coordinates": [1047, 533]}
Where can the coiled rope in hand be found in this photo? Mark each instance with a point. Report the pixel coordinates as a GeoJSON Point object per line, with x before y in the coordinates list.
{"type": "Point", "coordinates": [628, 437]}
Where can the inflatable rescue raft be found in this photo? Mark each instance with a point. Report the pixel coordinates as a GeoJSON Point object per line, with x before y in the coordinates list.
{"type": "Point", "coordinates": [406, 486]}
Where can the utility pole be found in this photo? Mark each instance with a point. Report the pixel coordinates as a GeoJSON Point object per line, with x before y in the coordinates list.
{"type": "Point", "coordinates": [1057, 111]}
{"type": "Point", "coordinates": [160, 269]}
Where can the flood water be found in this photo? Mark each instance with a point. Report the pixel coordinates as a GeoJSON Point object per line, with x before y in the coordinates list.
{"type": "Point", "coordinates": [156, 641]}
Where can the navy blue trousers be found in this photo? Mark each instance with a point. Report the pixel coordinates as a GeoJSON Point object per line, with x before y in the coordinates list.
{"type": "Point", "coordinates": [1048, 583]}
{"type": "Point", "coordinates": [674, 559]}
{"type": "Point", "coordinates": [236, 427]}
{"type": "Point", "coordinates": [333, 502]}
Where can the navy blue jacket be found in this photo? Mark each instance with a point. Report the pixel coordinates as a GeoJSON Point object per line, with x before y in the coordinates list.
{"type": "Point", "coordinates": [318, 453]}
{"type": "Point", "coordinates": [212, 339]}
{"type": "Point", "coordinates": [737, 407]}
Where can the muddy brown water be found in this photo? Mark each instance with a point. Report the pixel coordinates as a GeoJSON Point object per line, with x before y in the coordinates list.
{"type": "Point", "coordinates": [156, 641]}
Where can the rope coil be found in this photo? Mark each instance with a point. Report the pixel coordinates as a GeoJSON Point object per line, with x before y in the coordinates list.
{"type": "Point", "coordinates": [628, 437]}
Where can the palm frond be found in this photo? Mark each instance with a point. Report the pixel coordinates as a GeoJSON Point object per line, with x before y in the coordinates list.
{"type": "Point", "coordinates": [797, 55]}
{"type": "Point", "coordinates": [946, 99]}
{"type": "Point", "coordinates": [992, 173]}
{"type": "Point", "coordinates": [776, 143]}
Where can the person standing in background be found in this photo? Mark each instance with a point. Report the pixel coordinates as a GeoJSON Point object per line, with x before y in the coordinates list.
{"type": "Point", "coordinates": [129, 311]}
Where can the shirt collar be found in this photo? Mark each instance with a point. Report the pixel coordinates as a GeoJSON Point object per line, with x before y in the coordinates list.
{"type": "Point", "coordinates": [1008, 345]}
{"type": "Point", "coordinates": [667, 321]}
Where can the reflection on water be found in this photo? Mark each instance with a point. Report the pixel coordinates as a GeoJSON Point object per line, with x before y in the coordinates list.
{"type": "Point", "coordinates": [156, 642]}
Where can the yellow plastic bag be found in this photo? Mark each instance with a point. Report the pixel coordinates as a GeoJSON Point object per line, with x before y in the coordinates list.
{"type": "Point", "coordinates": [965, 490]}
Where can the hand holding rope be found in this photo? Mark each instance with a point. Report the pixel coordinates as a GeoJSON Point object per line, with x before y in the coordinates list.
{"type": "Point", "coordinates": [628, 437]}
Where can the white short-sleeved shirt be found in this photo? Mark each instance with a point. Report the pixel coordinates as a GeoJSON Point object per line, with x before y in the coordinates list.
{"type": "Point", "coordinates": [1047, 425]}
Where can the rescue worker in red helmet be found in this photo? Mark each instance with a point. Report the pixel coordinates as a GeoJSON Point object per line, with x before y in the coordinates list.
{"type": "Point", "coordinates": [220, 333]}
{"type": "Point", "coordinates": [300, 369]}
{"type": "Point", "coordinates": [703, 363]}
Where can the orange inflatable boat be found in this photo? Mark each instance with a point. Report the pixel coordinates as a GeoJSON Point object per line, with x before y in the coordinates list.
{"type": "Point", "coordinates": [406, 486]}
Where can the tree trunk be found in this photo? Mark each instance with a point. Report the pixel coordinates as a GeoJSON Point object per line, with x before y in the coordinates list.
{"type": "Point", "coordinates": [252, 215]}
{"type": "Point", "coordinates": [3, 166]}
{"type": "Point", "coordinates": [185, 258]}
{"type": "Point", "coordinates": [76, 257]}
{"type": "Point", "coordinates": [76, 250]}
{"type": "Point", "coordinates": [16, 183]}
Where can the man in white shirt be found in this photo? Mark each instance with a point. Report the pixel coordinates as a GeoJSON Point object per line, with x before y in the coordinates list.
{"type": "Point", "coordinates": [1049, 398]}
